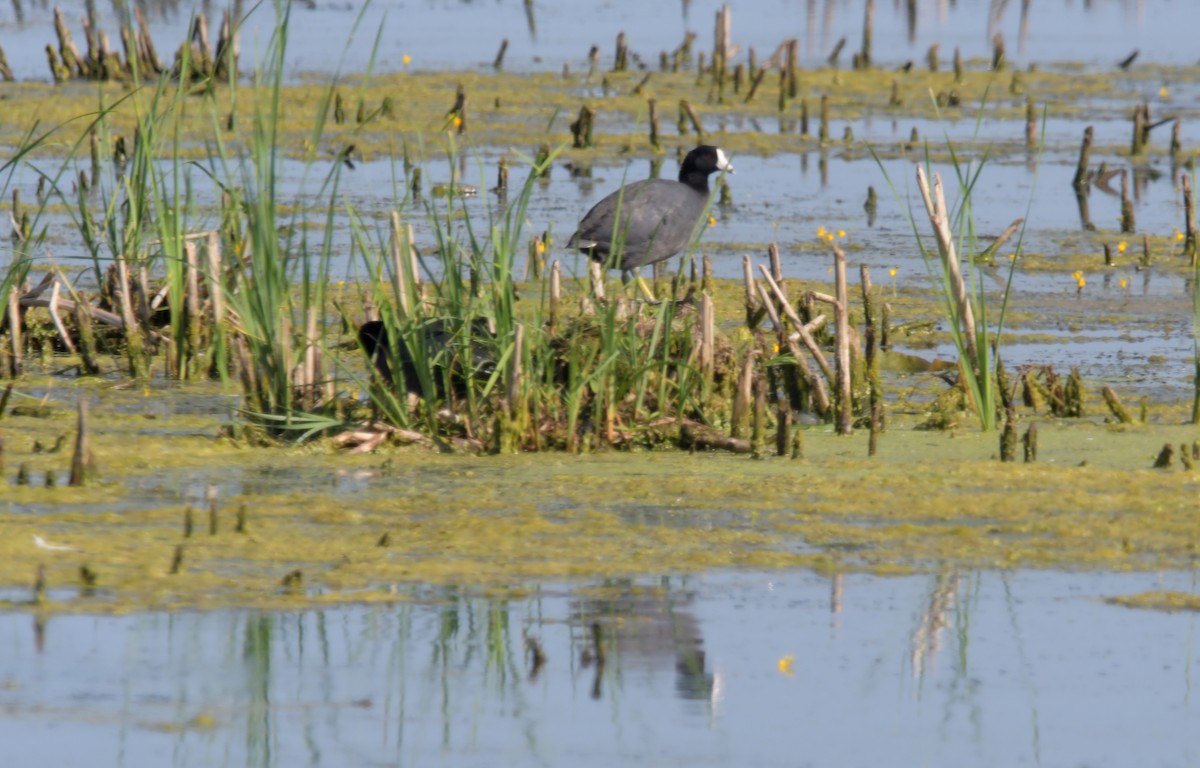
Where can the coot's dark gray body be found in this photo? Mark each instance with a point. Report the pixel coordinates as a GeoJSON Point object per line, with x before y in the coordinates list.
{"type": "Point", "coordinates": [656, 216]}
{"type": "Point", "coordinates": [443, 344]}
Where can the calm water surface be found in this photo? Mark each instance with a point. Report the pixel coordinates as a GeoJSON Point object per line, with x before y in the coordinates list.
{"type": "Point", "coordinates": [723, 669]}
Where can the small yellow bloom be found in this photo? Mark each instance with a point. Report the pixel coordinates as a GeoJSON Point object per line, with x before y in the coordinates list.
{"type": "Point", "coordinates": [406, 59]}
{"type": "Point", "coordinates": [785, 665]}
{"type": "Point", "coordinates": [1082, 282]}
{"type": "Point", "coordinates": [892, 272]}
{"type": "Point", "coordinates": [1164, 93]}
{"type": "Point", "coordinates": [1121, 246]}
{"type": "Point", "coordinates": [457, 121]}
{"type": "Point", "coordinates": [541, 247]}
{"type": "Point", "coordinates": [829, 237]}
{"type": "Point", "coordinates": [841, 233]}
{"type": "Point", "coordinates": [1077, 274]}
{"type": "Point", "coordinates": [1178, 235]}
{"type": "Point", "coordinates": [1124, 282]}
{"type": "Point", "coordinates": [712, 221]}
{"type": "Point", "coordinates": [821, 232]}
{"type": "Point", "coordinates": [1012, 256]}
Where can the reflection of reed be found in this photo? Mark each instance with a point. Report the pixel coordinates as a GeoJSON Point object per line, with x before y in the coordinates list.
{"type": "Point", "coordinates": [926, 641]}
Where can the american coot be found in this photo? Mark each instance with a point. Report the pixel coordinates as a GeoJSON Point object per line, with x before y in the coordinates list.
{"type": "Point", "coordinates": [444, 345]}
{"type": "Point", "coordinates": [657, 217]}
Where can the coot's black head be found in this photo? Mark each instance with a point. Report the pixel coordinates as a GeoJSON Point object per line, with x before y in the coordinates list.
{"type": "Point", "coordinates": [700, 163]}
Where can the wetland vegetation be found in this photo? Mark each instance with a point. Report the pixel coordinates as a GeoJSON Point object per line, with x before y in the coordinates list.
{"type": "Point", "coordinates": [194, 231]}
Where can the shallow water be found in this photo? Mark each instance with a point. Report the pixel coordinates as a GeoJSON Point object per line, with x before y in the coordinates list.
{"type": "Point", "coordinates": [734, 668]}
{"type": "Point", "coordinates": [459, 34]}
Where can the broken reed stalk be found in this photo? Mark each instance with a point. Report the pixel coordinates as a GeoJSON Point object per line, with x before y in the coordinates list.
{"type": "Point", "coordinates": [1141, 117]}
{"type": "Point", "coordinates": [1116, 407]}
{"type": "Point", "coordinates": [515, 372]}
{"type": "Point", "coordinates": [1008, 437]}
{"type": "Point", "coordinates": [863, 60]}
{"type": "Point", "coordinates": [876, 426]}
{"type": "Point", "coordinates": [135, 347]}
{"type": "Point", "coordinates": [812, 381]}
{"type": "Point", "coordinates": [652, 105]}
{"type": "Point", "coordinates": [193, 308]}
{"type": "Point", "coordinates": [82, 463]}
{"type": "Point", "coordinates": [1189, 220]}
{"type": "Point", "coordinates": [708, 325]}
{"type": "Point", "coordinates": [758, 429]}
{"type": "Point", "coordinates": [939, 219]}
{"type": "Point", "coordinates": [1085, 150]}
{"type": "Point", "coordinates": [844, 423]}
{"type": "Point", "coordinates": [1128, 220]}
{"type": "Point", "coordinates": [783, 426]}
{"type": "Point", "coordinates": [1030, 124]}
{"type": "Point", "coordinates": [804, 331]}
{"type": "Point", "coordinates": [753, 310]}
{"type": "Point", "coordinates": [15, 319]}
{"type": "Point", "coordinates": [210, 494]}
{"type": "Point", "coordinates": [1029, 440]}
{"type": "Point", "coordinates": [742, 394]}
{"type": "Point", "coordinates": [990, 252]}
{"type": "Point", "coordinates": [693, 118]}
{"type": "Point", "coordinates": [583, 129]}
{"type": "Point", "coordinates": [555, 295]}
{"type": "Point", "coordinates": [621, 55]}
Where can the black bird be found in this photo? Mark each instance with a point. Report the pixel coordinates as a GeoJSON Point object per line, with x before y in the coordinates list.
{"type": "Point", "coordinates": [464, 350]}
{"type": "Point", "coordinates": [657, 216]}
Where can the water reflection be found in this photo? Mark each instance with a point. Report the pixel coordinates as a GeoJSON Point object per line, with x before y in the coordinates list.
{"type": "Point", "coordinates": [724, 669]}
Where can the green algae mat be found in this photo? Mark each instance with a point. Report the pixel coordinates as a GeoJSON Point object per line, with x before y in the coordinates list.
{"type": "Point", "coordinates": [178, 516]}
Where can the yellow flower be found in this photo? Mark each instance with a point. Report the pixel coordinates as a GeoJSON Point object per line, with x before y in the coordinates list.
{"type": "Point", "coordinates": [1012, 256]}
{"type": "Point", "coordinates": [1082, 281]}
{"type": "Point", "coordinates": [821, 232]}
{"type": "Point", "coordinates": [541, 247]}
{"type": "Point", "coordinates": [1124, 282]}
{"type": "Point", "coordinates": [1178, 235]}
{"type": "Point", "coordinates": [892, 272]}
{"type": "Point", "coordinates": [1077, 274]}
{"type": "Point", "coordinates": [1121, 246]}
{"type": "Point", "coordinates": [712, 221]}
{"type": "Point", "coordinates": [841, 233]}
{"type": "Point", "coordinates": [1164, 93]}
{"type": "Point", "coordinates": [457, 121]}
{"type": "Point", "coordinates": [785, 665]}
{"type": "Point", "coordinates": [406, 59]}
